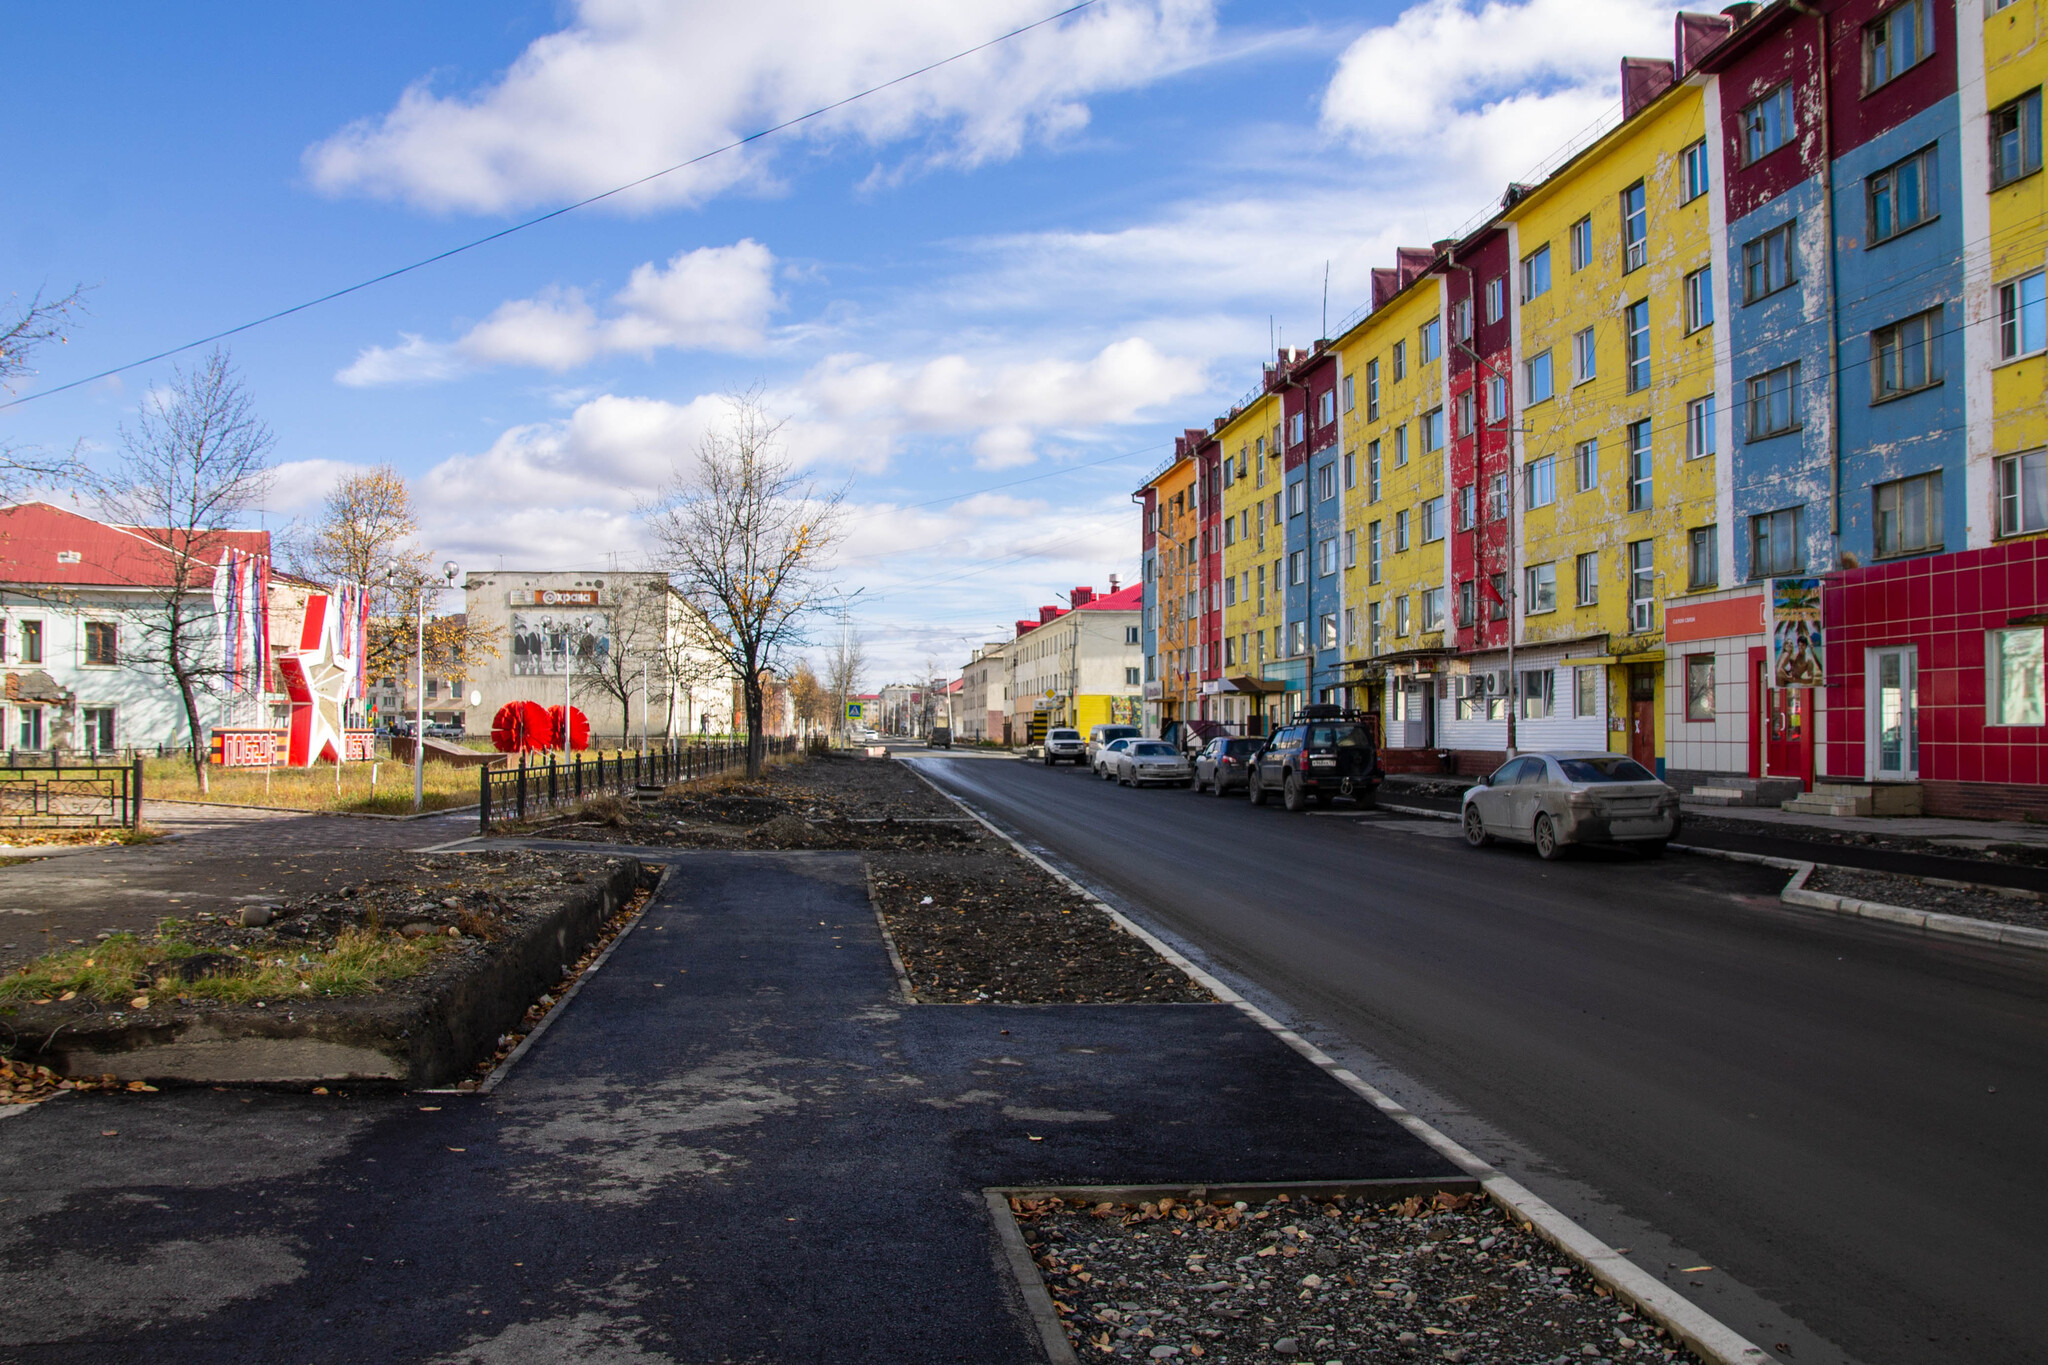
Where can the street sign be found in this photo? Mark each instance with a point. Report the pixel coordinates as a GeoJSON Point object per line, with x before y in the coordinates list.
{"type": "Point", "coordinates": [854, 710]}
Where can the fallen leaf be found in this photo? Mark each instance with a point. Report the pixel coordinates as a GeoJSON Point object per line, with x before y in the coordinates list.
{"type": "Point", "coordinates": [458, 1149]}
{"type": "Point", "coordinates": [1695, 1269]}
{"type": "Point", "coordinates": [1034, 1139]}
{"type": "Point", "coordinates": [430, 1109]}
{"type": "Point", "coordinates": [140, 1002]}
{"type": "Point", "coordinates": [319, 1089]}
{"type": "Point", "coordinates": [68, 995]}
{"type": "Point", "coordinates": [110, 1132]}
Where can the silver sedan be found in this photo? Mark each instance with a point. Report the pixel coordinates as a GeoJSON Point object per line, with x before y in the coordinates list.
{"type": "Point", "coordinates": [1554, 800]}
{"type": "Point", "coordinates": [1105, 756]}
{"type": "Point", "coordinates": [1152, 760]}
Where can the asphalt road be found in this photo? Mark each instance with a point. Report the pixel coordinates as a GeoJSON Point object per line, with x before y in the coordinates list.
{"type": "Point", "coordinates": [1845, 1121]}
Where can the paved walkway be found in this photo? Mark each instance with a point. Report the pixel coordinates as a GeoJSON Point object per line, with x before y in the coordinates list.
{"type": "Point", "coordinates": [735, 1145]}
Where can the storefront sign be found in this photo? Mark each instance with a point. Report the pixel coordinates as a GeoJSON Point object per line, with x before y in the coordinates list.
{"type": "Point", "coordinates": [1713, 620]}
{"type": "Point", "coordinates": [1797, 645]}
{"type": "Point", "coordinates": [557, 597]}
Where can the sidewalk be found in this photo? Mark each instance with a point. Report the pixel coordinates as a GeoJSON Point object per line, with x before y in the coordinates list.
{"type": "Point", "coordinates": [738, 1145]}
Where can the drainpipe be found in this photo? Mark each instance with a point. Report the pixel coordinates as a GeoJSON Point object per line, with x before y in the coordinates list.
{"type": "Point", "coordinates": [1478, 469]}
{"type": "Point", "coordinates": [1827, 217]}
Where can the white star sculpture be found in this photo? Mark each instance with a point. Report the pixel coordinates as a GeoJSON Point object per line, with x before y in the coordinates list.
{"type": "Point", "coordinates": [318, 679]}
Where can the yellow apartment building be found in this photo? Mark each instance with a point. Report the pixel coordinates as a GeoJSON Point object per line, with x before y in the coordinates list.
{"type": "Point", "coordinates": [1621, 428]}
{"type": "Point", "coordinates": [2007, 343]}
{"type": "Point", "coordinates": [1397, 551]}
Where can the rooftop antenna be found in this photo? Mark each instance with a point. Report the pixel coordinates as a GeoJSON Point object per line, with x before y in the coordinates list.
{"type": "Point", "coordinates": [1272, 336]}
{"type": "Point", "coordinates": [1326, 301]}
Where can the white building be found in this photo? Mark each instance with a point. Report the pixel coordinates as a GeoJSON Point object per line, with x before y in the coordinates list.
{"type": "Point", "coordinates": [1083, 666]}
{"type": "Point", "coordinates": [984, 701]}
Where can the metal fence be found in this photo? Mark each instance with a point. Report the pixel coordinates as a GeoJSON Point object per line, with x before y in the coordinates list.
{"type": "Point", "coordinates": [519, 793]}
{"type": "Point", "coordinates": [82, 796]}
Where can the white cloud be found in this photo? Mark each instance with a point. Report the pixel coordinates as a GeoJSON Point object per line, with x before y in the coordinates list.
{"type": "Point", "coordinates": [299, 485]}
{"type": "Point", "coordinates": [631, 86]}
{"type": "Point", "coordinates": [713, 298]}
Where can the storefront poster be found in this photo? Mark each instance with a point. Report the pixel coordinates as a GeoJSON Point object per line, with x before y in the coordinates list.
{"type": "Point", "coordinates": [1797, 645]}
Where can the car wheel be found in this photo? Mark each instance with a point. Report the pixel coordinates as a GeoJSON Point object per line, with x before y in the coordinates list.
{"type": "Point", "coordinates": [1475, 828]}
{"type": "Point", "coordinates": [1217, 786]}
{"type": "Point", "coordinates": [1547, 846]}
{"type": "Point", "coordinates": [1292, 794]}
{"type": "Point", "coordinates": [1255, 790]}
{"type": "Point", "coordinates": [1048, 760]}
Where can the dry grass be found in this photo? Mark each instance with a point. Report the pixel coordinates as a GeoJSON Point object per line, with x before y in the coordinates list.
{"type": "Point", "coordinates": [79, 838]}
{"type": "Point", "coordinates": [313, 789]}
{"type": "Point", "coordinates": [123, 968]}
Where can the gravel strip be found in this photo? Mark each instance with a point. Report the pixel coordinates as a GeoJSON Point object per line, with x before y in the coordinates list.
{"type": "Point", "coordinates": [988, 927]}
{"type": "Point", "coordinates": [1914, 894]}
{"type": "Point", "coordinates": [1446, 1277]}
{"type": "Point", "coordinates": [2009, 854]}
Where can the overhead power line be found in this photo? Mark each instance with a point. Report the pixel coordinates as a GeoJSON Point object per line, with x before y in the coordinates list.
{"type": "Point", "coordinates": [550, 215]}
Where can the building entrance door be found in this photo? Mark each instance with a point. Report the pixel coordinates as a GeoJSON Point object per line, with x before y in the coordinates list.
{"type": "Point", "coordinates": [1783, 727]}
{"type": "Point", "coordinates": [1642, 712]}
{"type": "Point", "coordinates": [1893, 689]}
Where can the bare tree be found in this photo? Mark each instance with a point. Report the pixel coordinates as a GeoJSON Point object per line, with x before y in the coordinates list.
{"type": "Point", "coordinates": [194, 465]}
{"type": "Point", "coordinates": [844, 670]}
{"type": "Point", "coordinates": [33, 326]}
{"type": "Point", "coordinates": [744, 539]}
{"type": "Point", "coordinates": [639, 624]}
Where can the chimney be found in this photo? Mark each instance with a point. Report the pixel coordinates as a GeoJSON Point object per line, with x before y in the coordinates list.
{"type": "Point", "coordinates": [1643, 79]}
{"type": "Point", "coordinates": [1046, 614]}
{"type": "Point", "coordinates": [1023, 627]}
{"type": "Point", "coordinates": [1081, 597]}
{"type": "Point", "coordinates": [1699, 34]}
{"type": "Point", "coordinates": [1112, 585]}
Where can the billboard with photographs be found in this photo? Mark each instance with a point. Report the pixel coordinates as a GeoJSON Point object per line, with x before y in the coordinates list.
{"type": "Point", "coordinates": [541, 641]}
{"type": "Point", "coordinates": [1798, 648]}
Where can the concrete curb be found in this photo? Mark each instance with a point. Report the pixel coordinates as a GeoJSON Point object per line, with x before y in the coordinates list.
{"type": "Point", "coordinates": [888, 939]}
{"type": "Point", "coordinates": [1706, 1336]}
{"type": "Point", "coordinates": [301, 810]}
{"type": "Point", "coordinates": [1052, 1333]}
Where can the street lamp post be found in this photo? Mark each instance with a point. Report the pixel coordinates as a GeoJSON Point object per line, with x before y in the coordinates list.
{"type": "Point", "coordinates": [449, 570]}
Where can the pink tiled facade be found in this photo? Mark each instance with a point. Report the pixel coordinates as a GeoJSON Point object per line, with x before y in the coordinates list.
{"type": "Point", "coordinates": [1943, 605]}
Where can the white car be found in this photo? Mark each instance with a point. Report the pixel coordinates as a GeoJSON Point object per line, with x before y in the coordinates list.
{"type": "Point", "coordinates": [1153, 760]}
{"type": "Point", "coordinates": [1105, 756]}
{"type": "Point", "coordinates": [1552, 800]}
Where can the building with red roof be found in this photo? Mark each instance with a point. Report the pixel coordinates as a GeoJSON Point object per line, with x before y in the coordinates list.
{"type": "Point", "coordinates": [1080, 665]}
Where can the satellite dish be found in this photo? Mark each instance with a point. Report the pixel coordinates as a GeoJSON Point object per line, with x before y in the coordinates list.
{"type": "Point", "coordinates": [476, 699]}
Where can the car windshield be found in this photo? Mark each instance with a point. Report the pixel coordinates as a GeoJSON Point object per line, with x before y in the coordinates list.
{"type": "Point", "coordinates": [1110, 732]}
{"type": "Point", "coordinates": [1613, 768]}
{"type": "Point", "coordinates": [1151, 749]}
{"type": "Point", "coordinates": [1064, 734]}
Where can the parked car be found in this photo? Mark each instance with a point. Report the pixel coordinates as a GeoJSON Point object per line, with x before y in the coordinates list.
{"type": "Point", "coordinates": [1105, 757]}
{"type": "Point", "coordinates": [1065, 745]}
{"type": "Point", "coordinates": [940, 738]}
{"type": "Point", "coordinates": [1152, 760]}
{"type": "Point", "coordinates": [1324, 754]}
{"type": "Point", "coordinates": [1225, 763]}
{"type": "Point", "coordinates": [443, 730]}
{"type": "Point", "coordinates": [1099, 737]}
{"type": "Point", "coordinates": [1555, 800]}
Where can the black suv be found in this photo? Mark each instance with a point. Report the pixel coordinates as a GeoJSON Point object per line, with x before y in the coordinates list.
{"type": "Point", "coordinates": [1324, 753]}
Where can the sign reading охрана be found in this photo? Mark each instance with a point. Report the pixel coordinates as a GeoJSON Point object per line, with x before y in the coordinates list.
{"type": "Point", "coordinates": [557, 597]}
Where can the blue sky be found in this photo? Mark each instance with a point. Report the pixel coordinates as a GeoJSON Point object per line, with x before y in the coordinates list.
{"type": "Point", "coordinates": [1037, 265]}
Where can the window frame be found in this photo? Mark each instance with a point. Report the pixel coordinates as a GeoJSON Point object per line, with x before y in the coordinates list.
{"type": "Point", "coordinates": [1700, 438]}
{"type": "Point", "coordinates": [1778, 98]}
{"type": "Point", "coordinates": [1703, 558]}
{"type": "Point", "coordinates": [2012, 486]}
{"type": "Point", "coordinates": [1890, 348]}
{"type": "Point", "coordinates": [1699, 709]}
{"type": "Point", "coordinates": [1636, 349]}
{"type": "Point", "coordinates": [1882, 186]}
{"type": "Point", "coordinates": [1539, 482]}
{"type": "Point", "coordinates": [2025, 111]}
{"type": "Point", "coordinates": [1535, 272]}
{"type": "Point", "coordinates": [1694, 173]}
{"type": "Point", "coordinates": [1757, 252]}
{"type": "Point", "coordinates": [1757, 399]}
{"type": "Point", "coordinates": [1995, 691]}
{"type": "Point", "coordinates": [1635, 228]}
{"type": "Point", "coordinates": [1581, 237]}
{"type": "Point", "coordinates": [1642, 466]}
{"type": "Point", "coordinates": [96, 631]}
{"type": "Point", "coordinates": [1928, 485]}
{"type": "Point", "coordinates": [1586, 579]}
{"type": "Point", "coordinates": [1429, 341]}
{"type": "Point", "coordinates": [1880, 32]}
{"type": "Point", "coordinates": [2013, 310]}
{"type": "Point", "coordinates": [1539, 588]}
{"type": "Point", "coordinates": [1699, 299]}
{"type": "Point", "coordinates": [1585, 356]}
{"type": "Point", "coordinates": [1586, 464]}
{"type": "Point", "coordinates": [1768, 522]}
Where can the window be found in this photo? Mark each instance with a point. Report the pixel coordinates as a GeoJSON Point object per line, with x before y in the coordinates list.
{"type": "Point", "coordinates": [1497, 589]}
{"type": "Point", "coordinates": [1900, 38]}
{"type": "Point", "coordinates": [1372, 391]}
{"type": "Point", "coordinates": [1774, 402]}
{"type": "Point", "coordinates": [1496, 497]}
{"type": "Point", "coordinates": [99, 729]}
{"type": "Point", "coordinates": [1635, 228]}
{"type": "Point", "coordinates": [1131, 674]}
{"type": "Point", "coordinates": [1230, 591]}
{"type": "Point", "coordinates": [1692, 164]}
{"type": "Point", "coordinates": [1586, 692]}
{"type": "Point", "coordinates": [1461, 320]}
{"type": "Point", "coordinates": [1229, 472]}
{"type": "Point", "coordinates": [1326, 482]}
{"type": "Point", "coordinates": [1699, 687]}
{"type": "Point", "coordinates": [1351, 549]}
{"type": "Point", "coordinates": [1297, 428]}
{"type": "Point", "coordinates": [1131, 635]}
{"type": "Point", "coordinates": [1400, 446]}
{"type": "Point", "coordinates": [1585, 364]}
{"type": "Point", "coordinates": [1297, 639]}
{"type": "Point", "coordinates": [1636, 319]}
{"type": "Point", "coordinates": [1582, 243]}
{"type": "Point", "coordinates": [1372, 471]}
{"type": "Point", "coordinates": [1496, 298]}
{"type": "Point", "coordinates": [1777, 543]}
{"type": "Point", "coordinates": [1400, 530]}
{"type": "Point", "coordinates": [1400, 359]}
{"type": "Point", "coordinates": [1294, 496]}
{"type": "Point", "coordinates": [1468, 603]}
{"type": "Point", "coordinates": [2023, 316]}
{"type": "Point", "coordinates": [1432, 608]}
{"type": "Point", "coordinates": [1537, 687]}
{"type": "Point", "coordinates": [1587, 575]}
{"type": "Point", "coordinates": [102, 644]}
{"type": "Point", "coordinates": [1702, 558]}
{"type": "Point", "coordinates": [1902, 196]}
{"type": "Point", "coordinates": [2012, 663]}
{"type": "Point", "coordinates": [1350, 627]}
{"type": "Point", "coordinates": [1297, 568]}
{"type": "Point", "coordinates": [1539, 590]}
{"type": "Point", "coordinates": [1261, 580]}
{"type": "Point", "coordinates": [1465, 508]}
{"type": "Point", "coordinates": [31, 727]}
{"type": "Point", "coordinates": [1401, 614]}
{"type": "Point", "coordinates": [1326, 556]}
{"type": "Point", "coordinates": [1326, 407]}
{"type": "Point", "coordinates": [1433, 519]}
{"type": "Point", "coordinates": [1767, 263]}
{"type": "Point", "coordinates": [1373, 623]}
{"type": "Point", "coordinates": [2016, 139]}
{"type": "Point", "coordinates": [1536, 273]}
{"type": "Point", "coordinates": [1326, 633]}
{"type": "Point", "coordinates": [1433, 430]}
{"type": "Point", "coordinates": [1350, 469]}
{"type": "Point", "coordinates": [1350, 393]}
{"type": "Point", "coordinates": [32, 649]}
{"type": "Point", "coordinates": [1699, 299]}
{"type": "Point", "coordinates": [1542, 482]}
{"type": "Point", "coordinates": [1429, 342]}
{"type": "Point", "coordinates": [1909, 515]}
{"type": "Point", "coordinates": [1640, 469]}
{"type": "Point", "coordinates": [1432, 611]}
{"type": "Point", "coordinates": [1902, 358]}
{"type": "Point", "coordinates": [1699, 427]}
{"type": "Point", "coordinates": [1768, 124]}
{"type": "Point", "coordinates": [2023, 493]}
{"type": "Point", "coordinates": [1466, 407]}
{"type": "Point", "coordinates": [1536, 378]}
{"type": "Point", "coordinates": [1642, 585]}
{"type": "Point", "coordinates": [1229, 532]}
{"type": "Point", "coordinates": [1496, 398]}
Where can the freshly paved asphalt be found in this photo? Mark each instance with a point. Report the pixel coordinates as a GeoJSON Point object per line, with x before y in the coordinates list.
{"type": "Point", "coordinates": [735, 1144]}
{"type": "Point", "coordinates": [1844, 1120]}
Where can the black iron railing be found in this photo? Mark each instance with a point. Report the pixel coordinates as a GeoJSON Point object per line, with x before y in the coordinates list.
{"type": "Point", "coordinates": [78, 796]}
{"type": "Point", "coordinates": [520, 793]}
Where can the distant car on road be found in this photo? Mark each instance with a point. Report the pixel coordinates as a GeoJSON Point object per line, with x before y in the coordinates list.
{"type": "Point", "coordinates": [1100, 736]}
{"type": "Point", "coordinates": [1152, 760]}
{"type": "Point", "coordinates": [1065, 745]}
{"type": "Point", "coordinates": [444, 731]}
{"type": "Point", "coordinates": [1555, 800]}
{"type": "Point", "coordinates": [1105, 757]}
{"type": "Point", "coordinates": [1324, 754]}
{"type": "Point", "coordinates": [1225, 763]}
{"type": "Point", "coordinates": [940, 738]}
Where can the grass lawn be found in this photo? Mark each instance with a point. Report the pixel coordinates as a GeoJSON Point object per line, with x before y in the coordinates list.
{"type": "Point", "coordinates": [170, 779]}
{"type": "Point", "coordinates": [126, 969]}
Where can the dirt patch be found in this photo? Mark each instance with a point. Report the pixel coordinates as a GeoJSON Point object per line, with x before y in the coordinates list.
{"type": "Point", "coordinates": [1971, 902]}
{"type": "Point", "coordinates": [1444, 1278]}
{"type": "Point", "coordinates": [2008, 854]}
{"type": "Point", "coordinates": [988, 927]}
